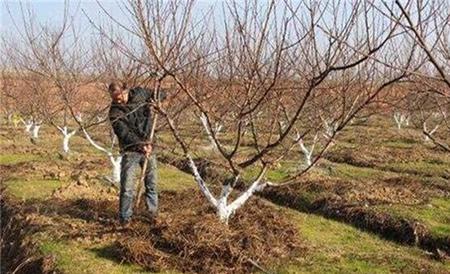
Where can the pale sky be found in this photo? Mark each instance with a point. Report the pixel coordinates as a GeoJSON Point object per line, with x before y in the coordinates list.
{"type": "Point", "coordinates": [52, 10]}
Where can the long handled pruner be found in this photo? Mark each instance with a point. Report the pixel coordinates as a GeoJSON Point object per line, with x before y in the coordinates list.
{"type": "Point", "coordinates": [149, 141]}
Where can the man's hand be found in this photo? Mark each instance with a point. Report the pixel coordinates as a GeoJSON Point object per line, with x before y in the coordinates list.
{"type": "Point", "coordinates": [147, 149]}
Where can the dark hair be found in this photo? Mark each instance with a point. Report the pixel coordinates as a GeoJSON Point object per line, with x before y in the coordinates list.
{"type": "Point", "coordinates": [115, 85]}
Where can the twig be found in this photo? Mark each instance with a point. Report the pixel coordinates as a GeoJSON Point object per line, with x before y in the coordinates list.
{"type": "Point", "coordinates": [260, 268]}
{"type": "Point", "coordinates": [22, 264]}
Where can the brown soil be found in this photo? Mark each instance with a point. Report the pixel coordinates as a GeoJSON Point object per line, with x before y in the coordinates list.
{"type": "Point", "coordinates": [9, 170]}
{"type": "Point", "coordinates": [395, 190]}
{"type": "Point", "coordinates": [352, 158]}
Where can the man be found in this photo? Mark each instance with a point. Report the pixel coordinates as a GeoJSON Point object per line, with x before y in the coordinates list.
{"type": "Point", "coordinates": [131, 119]}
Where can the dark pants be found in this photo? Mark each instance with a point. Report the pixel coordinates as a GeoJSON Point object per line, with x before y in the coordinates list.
{"type": "Point", "coordinates": [131, 163]}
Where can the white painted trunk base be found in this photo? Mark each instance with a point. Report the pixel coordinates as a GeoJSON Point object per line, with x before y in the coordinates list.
{"type": "Point", "coordinates": [224, 209]}
{"type": "Point", "coordinates": [401, 119]}
{"type": "Point", "coordinates": [35, 131]}
{"type": "Point", "coordinates": [330, 128]}
{"type": "Point", "coordinates": [307, 152]}
{"type": "Point", "coordinates": [114, 160]}
{"type": "Point", "coordinates": [425, 129]}
{"type": "Point", "coordinates": [28, 126]}
{"type": "Point", "coordinates": [115, 163]}
{"type": "Point", "coordinates": [67, 135]}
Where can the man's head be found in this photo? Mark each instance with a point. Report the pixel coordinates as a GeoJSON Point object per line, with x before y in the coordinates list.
{"type": "Point", "coordinates": [119, 93]}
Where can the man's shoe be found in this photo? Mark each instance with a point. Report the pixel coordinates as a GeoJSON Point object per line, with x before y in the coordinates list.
{"type": "Point", "coordinates": [150, 216]}
{"type": "Point", "coordinates": [153, 214]}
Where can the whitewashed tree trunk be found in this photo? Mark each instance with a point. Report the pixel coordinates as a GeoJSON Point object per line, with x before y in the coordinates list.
{"type": "Point", "coordinates": [35, 130]}
{"type": "Point", "coordinates": [330, 128]}
{"type": "Point", "coordinates": [115, 163]}
{"type": "Point", "coordinates": [429, 132]}
{"type": "Point", "coordinates": [114, 160]}
{"type": "Point", "coordinates": [216, 129]}
{"type": "Point", "coordinates": [99, 118]}
{"type": "Point", "coordinates": [401, 119]}
{"type": "Point", "coordinates": [28, 125]}
{"type": "Point", "coordinates": [79, 117]}
{"type": "Point", "coordinates": [32, 128]}
{"type": "Point", "coordinates": [67, 135]}
{"type": "Point", "coordinates": [224, 209]}
{"type": "Point", "coordinates": [307, 152]}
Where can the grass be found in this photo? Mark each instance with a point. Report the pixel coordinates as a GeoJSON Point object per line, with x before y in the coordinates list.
{"type": "Point", "coordinates": [401, 143]}
{"type": "Point", "coordinates": [275, 174]}
{"type": "Point", "coordinates": [346, 171]}
{"type": "Point", "coordinates": [435, 215]}
{"type": "Point", "coordinates": [339, 248]}
{"type": "Point", "coordinates": [74, 258]}
{"type": "Point", "coordinates": [424, 168]}
{"type": "Point", "coordinates": [12, 159]}
{"type": "Point", "coordinates": [32, 189]}
{"type": "Point", "coordinates": [170, 178]}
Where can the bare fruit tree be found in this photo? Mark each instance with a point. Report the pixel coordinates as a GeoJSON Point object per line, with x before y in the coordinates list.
{"type": "Point", "coordinates": [21, 100]}
{"type": "Point", "coordinates": [270, 75]}
{"type": "Point", "coordinates": [59, 56]}
{"type": "Point", "coordinates": [429, 25]}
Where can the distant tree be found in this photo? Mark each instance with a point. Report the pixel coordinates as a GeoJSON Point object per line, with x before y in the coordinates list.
{"type": "Point", "coordinates": [429, 25]}
{"type": "Point", "coordinates": [64, 59]}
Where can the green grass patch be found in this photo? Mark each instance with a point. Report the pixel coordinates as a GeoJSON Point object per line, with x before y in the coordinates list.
{"type": "Point", "coordinates": [33, 189]}
{"type": "Point", "coordinates": [347, 171]}
{"type": "Point", "coordinates": [74, 258]}
{"type": "Point", "coordinates": [12, 159]}
{"type": "Point", "coordinates": [170, 178]}
{"type": "Point", "coordinates": [424, 168]}
{"type": "Point", "coordinates": [398, 144]}
{"type": "Point", "coordinates": [435, 215]}
{"type": "Point", "coordinates": [274, 175]}
{"type": "Point", "coordinates": [335, 247]}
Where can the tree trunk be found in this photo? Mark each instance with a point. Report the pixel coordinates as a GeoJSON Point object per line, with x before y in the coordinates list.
{"type": "Point", "coordinates": [115, 162]}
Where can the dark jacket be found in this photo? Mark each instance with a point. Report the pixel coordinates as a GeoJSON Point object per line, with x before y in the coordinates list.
{"type": "Point", "coordinates": [132, 122]}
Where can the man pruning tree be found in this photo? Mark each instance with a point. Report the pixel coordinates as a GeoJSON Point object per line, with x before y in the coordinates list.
{"type": "Point", "coordinates": [131, 118]}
